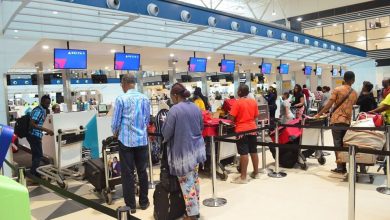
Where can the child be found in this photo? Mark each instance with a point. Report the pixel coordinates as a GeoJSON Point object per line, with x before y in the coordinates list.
{"type": "Point", "coordinates": [285, 113]}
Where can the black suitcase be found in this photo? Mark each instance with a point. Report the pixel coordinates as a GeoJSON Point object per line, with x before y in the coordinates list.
{"type": "Point", "coordinates": [167, 206]}
{"type": "Point", "coordinates": [94, 173]}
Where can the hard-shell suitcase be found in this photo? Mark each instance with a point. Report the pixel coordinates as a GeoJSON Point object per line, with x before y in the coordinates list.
{"type": "Point", "coordinates": [167, 205]}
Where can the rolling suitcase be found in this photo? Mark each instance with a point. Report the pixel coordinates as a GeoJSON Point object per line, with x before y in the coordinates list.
{"type": "Point", "coordinates": [94, 173]}
{"type": "Point", "coordinates": [167, 205]}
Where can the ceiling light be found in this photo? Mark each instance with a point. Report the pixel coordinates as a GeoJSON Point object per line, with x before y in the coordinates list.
{"type": "Point", "coordinates": [254, 63]}
{"type": "Point", "coordinates": [162, 29]}
{"type": "Point", "coordinates": [106, 68]}
{"type": "Point", "coordinates": [299, 19]}
{"type": "Point", "coordinates": [113, 51]}
{"type": "Point", "coordinates": [16, 37]}
{"type": "Point", "coordinates": [377, 18]}
{"type": "Point", "coordinates": [334, 25]}
{"type": "Point", "coordinates": [55, 12]}
{"type": "Point", "coordinates": [16, 31]}
{"type": "Point", "coordinates": [319, 23]}
{"type": "Point", "coordinates": [209, 58]}
{"type": "Point", "coordinates": [273, 13]}
{"type": "Point", "coordinates": [201, 43]}
{"type": "Point", "coordinates": [171, 55]}
{"type": "Point", "coordinates": [45, 47]}
{"type": "Point", "coordinates": [116, 23]}
{"type": "Point", "coordinates": [347, 30]}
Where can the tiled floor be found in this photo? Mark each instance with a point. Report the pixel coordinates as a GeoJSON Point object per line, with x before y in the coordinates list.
{"type": "Point", "coordinates": [312, 194]}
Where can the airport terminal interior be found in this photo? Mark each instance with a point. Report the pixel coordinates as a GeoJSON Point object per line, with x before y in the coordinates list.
{"type": "Point", "coordinates": [297, 91]}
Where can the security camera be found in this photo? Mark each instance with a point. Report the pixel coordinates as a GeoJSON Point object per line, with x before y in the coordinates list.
{"type": "Point", "coordinates": [212, 21]}
{"type": "Point", "coordinates": [185, 16]}
{"type": "Point", "coordinates": [153, 9]}
{"type": "Point", "coordinates": [235, 26]}
{"type": "Point", "coordinates": [253, 30]}
{"type": "Point", "coordinates": [113, 4]}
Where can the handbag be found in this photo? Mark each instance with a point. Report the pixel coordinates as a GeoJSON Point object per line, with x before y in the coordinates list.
{"type": "Point", "coordinates": [168, 181]}
{"type": "Point", "coordinates": [377, 118]}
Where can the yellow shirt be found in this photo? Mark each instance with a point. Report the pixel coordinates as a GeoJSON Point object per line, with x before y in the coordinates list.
{"type": "Point", "coordinates": [199, 102]}
{"type": "Point", "coordinates": [386, 114]}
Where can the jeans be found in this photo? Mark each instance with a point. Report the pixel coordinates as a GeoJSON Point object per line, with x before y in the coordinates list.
{"type": "Point", "coordinates": [338, 136]}
{"type": "Point", "coordinates": [130, 156]}
{"type": "Point", "coordinates": [36, 152]}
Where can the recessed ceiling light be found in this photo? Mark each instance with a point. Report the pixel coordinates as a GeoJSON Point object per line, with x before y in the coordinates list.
{"type": "Point", "coordinates": [116, 23]}
{"type": "Point", "coordinates": [45, 47]}
{"type": "Point", "coordinates": [113, 51]}
{"type": "Point", "coordinates": [347, 30]}
{"type": "Point", "coordinates": [254, 63]}
{"type": "Point", "coordinates": [377, 18]}
{"type": "Point", "coordinates": [106, 67]}
{"type": "Point", "coordinates": [209, 58]}
{"type": "Point", "coordinates": [299, 19]}
{"type": "Point", "coordinates": [273, 13]}
{"type": "Point", "coordinates": [171, 55]}
{"type": "Point", "coordinates": [55, 12]}
{"type": "Point", "coordinates": [334, 25]}
{"type": "Point", "coordinates": [16, 31]}
{"type": "Point", "coordinates": [200, 43]}
{"type": "Point", "coordinates": [319, 23]}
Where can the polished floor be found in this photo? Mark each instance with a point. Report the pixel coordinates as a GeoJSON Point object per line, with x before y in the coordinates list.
{"type": "Point", "coordinates": [312, 194]}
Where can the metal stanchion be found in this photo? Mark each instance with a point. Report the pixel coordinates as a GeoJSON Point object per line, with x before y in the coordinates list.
{"type": "Point", "coordinates": [152, 184]}
{"type": "Point", "coordinates": [264, 168]}
{"type": "Point", "coordinates": [123, 212]}
{"type": "Point", "coordinates": [386, 189]}
{"type": "Point", "coordinates": [277, 173]}
{"type": "Point", "coordinates": [352, 183]}
{"type": "Point", "coordinates": [21, 176]}
{"type": "Point", "coordinates": [214, 201]}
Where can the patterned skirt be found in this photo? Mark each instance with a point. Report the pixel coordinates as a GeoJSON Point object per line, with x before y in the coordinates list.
{"type": "Point", "coordinates": [190, 188]}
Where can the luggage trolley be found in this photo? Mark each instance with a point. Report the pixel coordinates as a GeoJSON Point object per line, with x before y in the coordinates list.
{"type": "Point", "coordinates": [69, 153]}
{"type": "Point", "coordinates": [109, 148]}
{"type": "Point", "coordinates": [312, 136]}
{"type": "Point", "coordinates": [225, 150]}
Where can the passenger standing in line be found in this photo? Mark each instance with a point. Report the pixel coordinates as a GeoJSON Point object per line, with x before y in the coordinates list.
{"type": "Point", "coordinates": [129, 124]}
{"type": "Point", "coordinates": [244, 113]}
{"type": "Point", "coordinates": [285, 109]}
{"type": "Point", "coordinates": [298, 101]}
{"type": "Point", "coordinates": [306, 92]}
{"type": "Point", "coordinates": [325, 97]}
{"type": "Point", "coordinates": [343, 98]}
{"type": "Point", "coordinates": [182, 131]}
{"type": "Point", "coordinates": [199, 95]}
{"type": "Point", "coordinates": [271, 99]}
{"type": "Point", "coordinates": [386, 88]}
{"type": "Point", "coordinates": [198, 101]}
{"type": "Point", "coordinates": [318, 93]}
{"type": "Point", "coordinates": [34, 138]}
{"type": "Point", "coordinates": [366, 99]}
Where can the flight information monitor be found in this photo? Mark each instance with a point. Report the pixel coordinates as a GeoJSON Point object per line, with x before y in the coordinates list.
{"type": "Point", "coordinates": [70, 59]}
{"type": "Point", "coordinates": [283, 69]}
{"type": "Point", "coordinates": [127, 61]}
{"type": "Point", "coordinates": [228, 66]}
{"type": "Point", "coordinates": [197, 64]}
{"type": "Point", "coordinates": [266, 68]}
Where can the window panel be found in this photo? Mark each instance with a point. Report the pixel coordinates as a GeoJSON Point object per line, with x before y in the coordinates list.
{"type": "Point", "coordinates": [378, 33]}
{"type": "Point", "coordinates": [360, 45]}
{"type": "Point", "coordinates": [378, 22]}
{"type": "Point", "coordinates": [355, 36]}
{"type": "Point", "coordinates": [354, 26]}
{"type": "Point", "coordinates": [314, 31]}
{"type": "Point", "coordinates": [379, 44]}
{"type": "Point", "coordinates": [333, 29]}
{"type": "Point", "coordinates": [336, 38]}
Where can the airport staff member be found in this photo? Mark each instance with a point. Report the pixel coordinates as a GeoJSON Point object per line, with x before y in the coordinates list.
{"type": "Point", "coordinates": [343, 98]}
{"type": "Point", "coordinates": [34, 138]}
{"type": "Point", "coordinates": [129, 124]}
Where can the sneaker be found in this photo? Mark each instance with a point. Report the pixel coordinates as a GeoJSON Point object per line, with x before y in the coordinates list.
{"type": "Point", "coordinates": [238, 180]}
{"type": "Point", "coordinates": [144, 207]}
{"type": "Point", "coordinates": [339, 171]}
{"type": "Point", "coordinates": [255, 176]}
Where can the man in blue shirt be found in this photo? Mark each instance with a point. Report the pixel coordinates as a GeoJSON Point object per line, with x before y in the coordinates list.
{"type": "Point", "coordinates": [129, 124]}
{"type": "Point", "coordinates": [38, 116]}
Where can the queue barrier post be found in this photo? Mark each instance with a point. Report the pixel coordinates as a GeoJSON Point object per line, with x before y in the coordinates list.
{"type": "Point", "coordinates": [386, 189]}
{"type": "Point", "coordinates": [352, 183]}
{"type": "Point", "coordinates": [152, 184]}
{"type": "Point", "coordinates": [123, 212]}
{"type": "Point", "coordinates": [214, 201]}
{"type": "Point", "coordinates": [264, 168]}
{"type": "Point", "coordinates": [277, 173]}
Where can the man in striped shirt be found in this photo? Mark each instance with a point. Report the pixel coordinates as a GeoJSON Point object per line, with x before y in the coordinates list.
{"type": "Point", "coordinates": [129, 124]}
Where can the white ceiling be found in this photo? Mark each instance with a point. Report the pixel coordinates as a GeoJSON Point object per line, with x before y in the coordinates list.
{"type": "Point", "coordinates": [290, 8]}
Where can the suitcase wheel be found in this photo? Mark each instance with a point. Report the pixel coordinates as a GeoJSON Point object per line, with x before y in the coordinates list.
{"type": "Point", "coordinates": [303, 166]}
{"type": "Point", "coordinates": [322, 160]}
{"type": "Point", "coordinates": [224, 176]}
{"type": "Point", "coordinates": [107, 196]}
{"type": "Point", "coordinates": [371, 179]}
{"type": "Point", "coordinates": [62, 184]}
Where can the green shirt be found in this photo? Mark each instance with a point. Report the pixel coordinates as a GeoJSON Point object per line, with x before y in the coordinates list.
{"type": "Point", "coordinates": [386, 114]}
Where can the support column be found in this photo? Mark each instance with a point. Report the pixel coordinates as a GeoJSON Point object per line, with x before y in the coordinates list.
{"type": "Point", "coordinates": [172, 72]}
{"type": "Point", "coordinates": [140, 80]}
{"type": "Point", "coordinates": [66, 75]}
{"type": "Point", "coordinates": [205, 87]}
{"type": "Point", "coordinates": [248, 81]}
{"type": "Point", "coordinates": [236, 78]}
{"type": "Point", "coordinates": [40, 80]}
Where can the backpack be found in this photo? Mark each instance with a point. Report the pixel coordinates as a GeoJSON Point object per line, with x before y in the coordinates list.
{"type": "Point", "coordinates": [22, 126]}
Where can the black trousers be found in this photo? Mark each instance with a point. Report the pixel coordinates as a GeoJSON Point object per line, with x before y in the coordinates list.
{"type": "Point", "coordinates": [338, 137]}
{"type": "Point", "coordinates": [36, 152]}
{"type": "Point", "coordinates": [131, 158]}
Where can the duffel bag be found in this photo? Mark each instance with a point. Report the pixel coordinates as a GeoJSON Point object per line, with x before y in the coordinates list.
{"type": "Point", "coordinates": [377, 118]}
{"type": "Point", "coordinates": [365, 139]}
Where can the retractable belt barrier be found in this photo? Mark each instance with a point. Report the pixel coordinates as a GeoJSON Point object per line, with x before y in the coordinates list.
{"type": "Point", "coordinates": [98, 207]}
